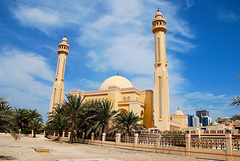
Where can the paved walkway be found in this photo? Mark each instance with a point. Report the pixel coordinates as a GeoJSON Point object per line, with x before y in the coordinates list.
{"type": "Point", "coordinates": [23, 149]}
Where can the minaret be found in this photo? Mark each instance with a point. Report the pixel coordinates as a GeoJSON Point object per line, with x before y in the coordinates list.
{"type": "Point", "coordinates": [161, 90]}
{"type": "Point", "coordinates": [58, 86]}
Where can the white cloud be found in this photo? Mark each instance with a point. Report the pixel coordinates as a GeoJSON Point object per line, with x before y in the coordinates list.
{"type": "Point", "coordinates": [204, 96]}
{"type": "Point", "coordinates": [86, 84]}
{"type": "Point", "coordinates": [143, 83]}
{"type": "Point", "coordinates": [189, 3]}
{"type": "Point", "coordinates": [25, 78]}
{"type": "Point", "coordinates": [47, 16]}
{"type": "Point", "coordinates": [227, 16]}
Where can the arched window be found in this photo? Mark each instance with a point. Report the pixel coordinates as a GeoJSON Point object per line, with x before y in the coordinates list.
{"type": "Point", "coordinates": [128, 98]}
{"type": "Point", "coordinates": [124, 98]}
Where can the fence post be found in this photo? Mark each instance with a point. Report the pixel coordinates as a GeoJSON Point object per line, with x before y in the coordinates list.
{"type": "Point", "coordinates": [32, 133]}
{"type": "Point", "coordinates": [135, 140]}
{"type": "Point", "coordinates": [92, 137]}
{"type": "Point", "coordinates": [229, 146]}
{"type": "Point", "coordinates": [188, 144]}
{"type": "Point", "coordinates": [83, 135]}
{"type": "Point", "coordinates": [199, 133]}
{"type": "Point", "coordinates": [158, 141]}
{"type": "Point", "coordinates": [118, 138]}
{"type": "Point", "coordinates": [63, 134]}
{"type": "Point", "coordinates": [103, 137]}
{"type": "Point", "coordinates": [69, 133]}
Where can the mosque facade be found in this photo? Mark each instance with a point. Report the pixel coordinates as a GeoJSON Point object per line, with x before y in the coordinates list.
{"type": "Point", "coordinates": [120, 91]}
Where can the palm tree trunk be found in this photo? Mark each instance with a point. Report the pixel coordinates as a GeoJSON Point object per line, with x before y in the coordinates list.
{"type": "Point", "coordinates": [59, 134]}
{"type": "Point", "coordinates": [72, 131]}
{"type": "Point", "coordinates": [34, 133]}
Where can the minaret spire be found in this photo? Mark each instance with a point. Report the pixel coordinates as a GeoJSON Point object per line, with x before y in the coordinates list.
{"type": "Point", "coordinates": [58, 86]}
{"type": "Point", "coordinates": [161, 90]}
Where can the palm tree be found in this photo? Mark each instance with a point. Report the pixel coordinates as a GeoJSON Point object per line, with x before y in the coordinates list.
{"type": "Point", "coordinates": [73, 106]}
{"type": "Point", "coordinates": [35, 124]}
{"type": "Point", "coordinates": [127, 123]}
{"type": "Point", "coordinates": [35, 120]}
{"type": "Point", "coordinates": [57, 121]}
{"type": "Point", "coordinates": [33, 114]}
{"type": "Point", "coordinates": [21, 118]}
{"type": "Point", "coordinates": [100, 121]}
{"type": "Point", "coordinates": [6, 117]}
{"type": "Point", "coordinates": [236, 102]}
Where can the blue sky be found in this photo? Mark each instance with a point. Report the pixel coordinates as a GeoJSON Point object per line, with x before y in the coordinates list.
{"type": "Point", "coordinates": [106, 36]}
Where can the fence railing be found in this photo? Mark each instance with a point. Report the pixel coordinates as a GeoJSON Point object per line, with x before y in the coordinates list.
{"type": "Point", "coordinates": [222, 146]}
{"type": "Point", "coordinates": [127, 139]}
{"type": "Point", "coordinates": [213, 143]}
{"type": "Point", "coordinates": [147, 140]}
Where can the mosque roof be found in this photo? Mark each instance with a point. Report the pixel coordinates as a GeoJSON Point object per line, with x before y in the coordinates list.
{"type": "Point", "coordinates": [118, 81]}
{"type": "Point", "coordinates": [178, 112]}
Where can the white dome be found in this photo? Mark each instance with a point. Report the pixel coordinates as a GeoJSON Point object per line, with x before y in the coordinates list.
{"type": "Point", "coordinates": [118, 81]}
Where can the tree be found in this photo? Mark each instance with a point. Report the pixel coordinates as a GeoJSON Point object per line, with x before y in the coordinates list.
{"type": "Point", "coordinates": [21, 118]}
{"type": "Point", "coordinates": [33, 114]}
{"type": "Point", "coordinates": [6, 117]}
{"type": "Point", "coordinates": [35, 120]}
{"type": "Point", "coordinates": [100, 121]}
{"type": "Point", "coordinates": [73, 106]}
{"type": "Point", "coordinates": [35, 124]}
{"type": "Point", "coordinates": [236, 102]}
{"type": "Point", "coordinates": [57, 121]}
{"type": "Point", "coordinates": [127, 123]}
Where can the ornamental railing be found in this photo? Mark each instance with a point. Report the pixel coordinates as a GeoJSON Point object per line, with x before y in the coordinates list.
{"type": "Point", "coordinates": [127, 139]}
{"type": "Point", "coordinates": [236, 144]}
{"type": "Point", "coordinates": [213, 143]}
{"type": "Point", "coordinates": [171, 141]}
{"type": "Point", "coordinates": [147, 140]}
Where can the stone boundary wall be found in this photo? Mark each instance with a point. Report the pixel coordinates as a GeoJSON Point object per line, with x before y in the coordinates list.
{"type": "Point", "coordinates": [223, 154]}
{"type": "Point", "coordinates": [226, 153]}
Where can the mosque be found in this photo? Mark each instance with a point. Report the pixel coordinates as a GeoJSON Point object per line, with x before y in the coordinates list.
{"type": "Point", "coordinates": [152, 106]}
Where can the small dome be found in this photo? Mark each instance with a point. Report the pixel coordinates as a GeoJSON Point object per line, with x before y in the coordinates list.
{"type": "Point", "coordinates": [64, 39]}
{"type": "Point", "coordinates": [158, 14]}
{"type": "Point", "coordinates": [178, 112]}
{"type": "Point", "coordinates": [118, 81]}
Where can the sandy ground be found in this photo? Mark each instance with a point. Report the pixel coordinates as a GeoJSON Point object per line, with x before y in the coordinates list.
{"type": "Point", "coordinates": [22, 150]}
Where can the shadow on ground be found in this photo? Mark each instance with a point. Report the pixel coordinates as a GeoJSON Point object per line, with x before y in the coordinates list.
{"type": "Point", "coordinates": [2, 157]}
